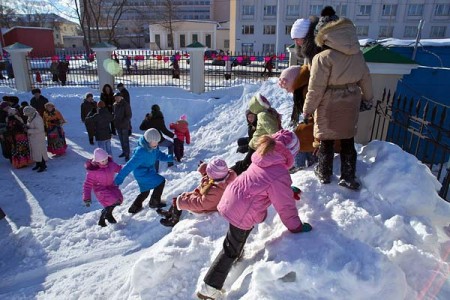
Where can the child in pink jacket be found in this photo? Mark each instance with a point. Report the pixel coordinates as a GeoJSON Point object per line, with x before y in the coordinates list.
{"type": "Point", "coordinates": [181, 131]}
{"type": "Point", "coordinates": [245, 201]}
{"type": "Point", "coordinates": [100, 178]}
{"type": "Point", "coordinates": [216, 176]}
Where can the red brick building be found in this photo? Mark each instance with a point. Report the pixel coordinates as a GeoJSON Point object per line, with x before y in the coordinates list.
{"type": "Point", "coordinates": [40, 39]}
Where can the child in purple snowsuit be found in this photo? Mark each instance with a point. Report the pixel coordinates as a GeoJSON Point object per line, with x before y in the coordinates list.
{"type": "Point", "coordinates": [100, 178]}
{"type": "Point", "coordinates": [245, 201]}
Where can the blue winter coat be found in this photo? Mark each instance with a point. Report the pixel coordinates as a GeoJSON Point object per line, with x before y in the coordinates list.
{"type": "Point", "coordinates": [142, 164]}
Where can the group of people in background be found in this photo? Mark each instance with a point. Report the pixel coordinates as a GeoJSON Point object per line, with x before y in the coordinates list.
{"type": "Point", "coordinates": [28, 132]}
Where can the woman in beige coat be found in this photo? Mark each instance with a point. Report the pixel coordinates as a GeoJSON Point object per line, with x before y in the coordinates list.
{"type": "Point", "coordinates": [36, 137]}
{"type": "Point", "coordinates": [339, 83]}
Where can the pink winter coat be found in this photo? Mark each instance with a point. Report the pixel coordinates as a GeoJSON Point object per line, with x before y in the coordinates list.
{"type": "Point", "coordinates": [181, 130]}
{"type": "Point", "coordinates": [198, 203]}
{"type": "Point", "coordinates": [101, 180]}
{"type": "Point", "coordinates": [267, 181]}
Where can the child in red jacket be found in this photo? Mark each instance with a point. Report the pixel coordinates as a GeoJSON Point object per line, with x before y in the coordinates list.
{"type": "Point", "coordinates": [181, 131]}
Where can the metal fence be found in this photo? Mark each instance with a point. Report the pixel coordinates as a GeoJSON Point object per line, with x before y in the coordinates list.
{"type": "Point", "coordinates": [151, 68]}
{"type": "Point", "coordinates": [418, 126]}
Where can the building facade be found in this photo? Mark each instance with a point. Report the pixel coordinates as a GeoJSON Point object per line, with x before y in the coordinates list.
{"type": "Point", "coordinates": [253, 23]}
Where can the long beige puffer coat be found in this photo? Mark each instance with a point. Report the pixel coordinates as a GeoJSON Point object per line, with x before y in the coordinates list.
{"type": "Point", "coordinates": [36, 137]}
{"type": "Point", "coordinates": [339, 81]}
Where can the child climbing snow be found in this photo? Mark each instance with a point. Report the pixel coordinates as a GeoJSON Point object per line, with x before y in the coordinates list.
{"type": "Point", "coordinates": [142, 164]}
{"type": "Point", "coordinates": [101, 170]}
{"type": "Point", "coordinates": [245, 201]}
{"type": "Point", "coordinates": [215, 178]}
{"type": "Point", "coordinates": [181, 131]}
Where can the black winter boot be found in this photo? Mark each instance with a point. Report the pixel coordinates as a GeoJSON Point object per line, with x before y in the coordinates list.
{"type": "Point", "coordinates": [109, 216]}
{"type": "Point", "coordinates": [102, 222]}
{"type": "Point", "coordinates": [155, 200]}
{"type": "Point", "coordinates": [137, 203]}
{"type": "Point", "coordinates": [173, 219]}
{"type": "Point", "coordinates": [37, 166]}
{"type": "Point", "coordinates": [42, 167]}
{"type": "Point", "coordinates": [324, 168]}
{"type": "Point", "coordinates": [2, 214]}
{"type": "Point", "coordinates": [348, 165]}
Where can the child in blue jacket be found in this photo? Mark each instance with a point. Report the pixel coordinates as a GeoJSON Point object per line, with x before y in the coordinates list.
{"type": "Point", "coordinates": [142, 163]}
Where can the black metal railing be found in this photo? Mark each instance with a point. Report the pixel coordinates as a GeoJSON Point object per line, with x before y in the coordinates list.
{"type": "Point", "coordinates": [418, 126]}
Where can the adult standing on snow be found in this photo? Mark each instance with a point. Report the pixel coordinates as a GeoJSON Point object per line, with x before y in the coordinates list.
{"type": "Point", "coordinates": [36, 138]}
{"type": "Point", "coordinates": [339, 84]}
{"type": "Point", "coordinates": [122, 118]}
{"type": "Point", "coordinates": [38, 101]}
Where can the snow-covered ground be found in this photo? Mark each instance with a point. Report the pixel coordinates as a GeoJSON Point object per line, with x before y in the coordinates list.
{"type": "Point", "coordinates": [387, 241]}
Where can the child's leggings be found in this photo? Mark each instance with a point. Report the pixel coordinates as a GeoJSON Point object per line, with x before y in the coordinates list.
{"type": "Point", "coordinates": [232, 248]}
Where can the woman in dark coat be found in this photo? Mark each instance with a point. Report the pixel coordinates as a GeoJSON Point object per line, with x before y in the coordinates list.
{"type": "Point", "coordinates": [107, 96]}
{"type": "Point", "coordinates": [89, 107]}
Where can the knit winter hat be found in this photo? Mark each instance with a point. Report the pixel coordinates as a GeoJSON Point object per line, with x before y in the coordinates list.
{"type": "Point", "coordinates": [289, 74]}
{"type": "Point", "coordinates": [100, 155]}
{"type": "Point", "coordinates": [101, 104]}
{"type": "Point", "coordinates": [300, 28]}
{"type": "Point", "coordinates": [152, 135]}
{"type": "Point", "coordinates": [29, 111]}
{"type": "Point", "coordinates": [217, 169]}
{"type": "Point", "coordinates": [328, 14]}
{"type": "Point", "coordinates": [183, 117]}
{"type": "Point", "coordinates": [289, 139]}
{"type": "Point", "coordinates": [262, 100]}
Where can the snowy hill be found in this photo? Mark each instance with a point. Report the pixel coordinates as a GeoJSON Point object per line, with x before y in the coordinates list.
{"type": "Point", "coordinates": [387, 241]}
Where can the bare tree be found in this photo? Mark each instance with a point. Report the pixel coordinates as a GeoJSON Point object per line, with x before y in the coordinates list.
{"type": "Point", "coordinates": [6, 14]}
{"type": "Point", "coordinates": [166, 17]}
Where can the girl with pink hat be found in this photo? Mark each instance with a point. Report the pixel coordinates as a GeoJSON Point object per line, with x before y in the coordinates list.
{"type": "Point", "coordinates": [216, 176]}
{"type": "Point", "coordinates": [101, 170]}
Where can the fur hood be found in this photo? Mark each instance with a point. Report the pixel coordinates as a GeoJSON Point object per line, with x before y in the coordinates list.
{"type": "Point", "coordinates": [340, 36]}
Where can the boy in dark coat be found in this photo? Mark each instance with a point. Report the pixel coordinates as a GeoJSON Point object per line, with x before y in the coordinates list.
{"type": "Point", "coordinates": [89, 106]}
{"type": "Point", "coordinates": [38, 101]}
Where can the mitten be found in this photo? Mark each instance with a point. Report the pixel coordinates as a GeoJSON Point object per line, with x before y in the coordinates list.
{"type": "Point", "coordinates": [306, 227]}
{"type": "Point", "coordinates": [297, 192]}
{"type": "Point", "coordinates": [87, 202]}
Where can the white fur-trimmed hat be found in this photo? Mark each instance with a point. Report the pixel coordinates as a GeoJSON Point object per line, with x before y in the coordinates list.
{"type": "Point", "coordinates": [262, 100]}
{"type": "Point", "coordinates": [300, 28]}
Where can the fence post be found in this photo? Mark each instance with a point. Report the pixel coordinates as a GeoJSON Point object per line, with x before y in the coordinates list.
{"type": "Point", "coordinates": [197, 67]}
{"type": "Point", "coordinates": [103, 52]}
{"type": "Point", "coordinates": [293, 59]}
{"type": "Point", "coordinates": [18, 55]}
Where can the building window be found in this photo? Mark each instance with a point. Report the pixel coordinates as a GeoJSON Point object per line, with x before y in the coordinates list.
{"type": "Point", "coordinates": [442, 10]}
{"type": "Point", "coordinates": [248, 29]}
{"type": "Point", "coordinates": [415, 10]}
{"type": "Point", "coordinates": [194, 38]}
{"type": "Point", "coordinates": [364, 10]}
{"type": "Point", "coordinates": [158, 40]}
{"type": "Point", "coordinates": [270, 10]}
{"type": "Point", "coordinates": [386, 31]}
{"type": "Point", "coordinates": [287, 29]}
{"type": "Point", "coordinates": [248, 10]}
{"type": "Point", "coordinates": [182, 40]}
{"type": "Point", "coordinates": [268, 48]}
{"type": "Point", "coordinates": [341, 10]}
{"type": "Point", "coordinates": [410, 31]}
{"type": "Point", "coordinates": [314, 10]}
{"type": "Point", "coordinates": [269, 29]}
{"type": "Point", "coordinates": [389, 10]}
{"type": "Point", "coordinates": [226, 44]}
{"type": "Point", "coordinates": [247, 47]}
{"type": "Point", "coordinates": [437, 31]}
{"type": "Point", "coordinates": [293, 10]}
{"type": "Point", "coordinates": [169, 41]}
{"type": "Point", "coordinates": [208, 40]}
{"type": "Point", "coordinates": [362, 30]}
